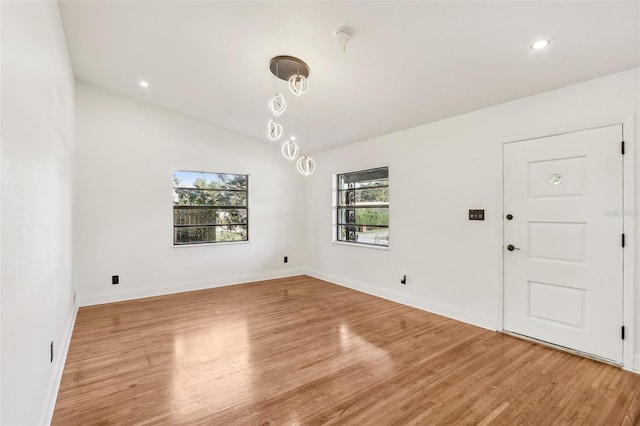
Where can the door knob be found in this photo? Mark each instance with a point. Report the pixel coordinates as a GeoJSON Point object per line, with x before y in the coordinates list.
{"type": "Point", "coordinates": [511, 247]}
{"type": "Point", "coordinates": [509, 216]}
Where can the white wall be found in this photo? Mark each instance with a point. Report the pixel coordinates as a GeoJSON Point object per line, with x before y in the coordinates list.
{"type": "Point", "coordinates": [437, 173]}
{"type": "Point", "coordinates": [126, 152]}
{"type": "Point", "coordinates": [37, 140]}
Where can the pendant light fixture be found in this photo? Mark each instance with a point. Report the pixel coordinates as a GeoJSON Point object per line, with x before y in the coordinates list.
{"type": "Point", "coordinates": [277, 104]}
{"type": "Point", "coordinates": [289, 148]}
{"type": "Point", "coordinates": [274, 130]}
{"type": "Point", "coordinates": [296, 72]}
{"type": "Point", "coordinates": [298, 84]}
{"type": "Point", "coordinates": [305, 164]}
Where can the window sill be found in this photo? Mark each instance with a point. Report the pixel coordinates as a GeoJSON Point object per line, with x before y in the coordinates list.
{"type": "Point", "coordinates": [369, 246]}
{"type": "Point", "coordinates": [225, 243]}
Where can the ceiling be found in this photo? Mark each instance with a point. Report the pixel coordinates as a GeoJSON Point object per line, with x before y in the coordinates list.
{"type": "Point", "coordinates": [408, 63]}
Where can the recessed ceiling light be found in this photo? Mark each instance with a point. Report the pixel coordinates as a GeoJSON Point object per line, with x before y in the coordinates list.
{"type": "Point", "coordinates": [143, 83]}
{"type": "Point", "coordinates": [540, 44]}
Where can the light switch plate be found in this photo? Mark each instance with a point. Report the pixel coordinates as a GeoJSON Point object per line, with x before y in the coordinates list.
{"type": "Point", "coordinates": [476, 214]}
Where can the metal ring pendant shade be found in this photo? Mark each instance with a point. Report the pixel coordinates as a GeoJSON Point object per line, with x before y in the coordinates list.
{"type": "Point", "coordinates": [277, 104]}
{"type": "Point", "coordinates": [298, 84]}
{"type": "Point", "coordinates": [274, 130]}
{"type": "Point", "coordinates": [306, 166]}
{"type": "Point", "coordinates": [290, 150]}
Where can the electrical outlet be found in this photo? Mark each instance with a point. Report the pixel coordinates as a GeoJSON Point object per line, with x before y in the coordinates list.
{"type": "Point", "coordinates": [115, 279]}
{"type": "Point", "coordinates": [286, 259]}
{"type": "Point", "coordinates": [51, 351]}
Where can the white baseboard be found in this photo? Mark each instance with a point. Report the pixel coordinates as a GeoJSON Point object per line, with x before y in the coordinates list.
{"type": "Point", "coordinates": [439, 308]}
{"type": "Point", "coordinates": [138, 293]}
{"type": "Point", "coordinates": [60, 360]}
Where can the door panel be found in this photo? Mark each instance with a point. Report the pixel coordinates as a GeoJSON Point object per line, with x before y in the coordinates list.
{"type": "Point", "coordinates": [543, 235]}
{"type": "Point", "coordinates": [557, 178]}
{"type": "Point", "coordinates": [563, 280]}
{"type": "Point", "coordinates": [557, 304]}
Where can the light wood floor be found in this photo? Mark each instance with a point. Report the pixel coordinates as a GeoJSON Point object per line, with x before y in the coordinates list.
{"type": "Point", "coordinates": [302, 351]}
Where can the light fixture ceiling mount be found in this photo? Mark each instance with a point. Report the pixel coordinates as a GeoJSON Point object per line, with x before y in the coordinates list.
{"type": "Point", "coordinates": [284, 67]}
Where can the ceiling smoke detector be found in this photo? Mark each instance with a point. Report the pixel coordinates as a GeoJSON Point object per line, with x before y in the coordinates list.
{"type": "Point", "coordinates": [342, 37]}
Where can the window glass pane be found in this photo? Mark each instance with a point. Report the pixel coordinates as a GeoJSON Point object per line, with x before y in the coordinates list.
{"type": "Point", "coordinates": [186, 216]}
{"type": "Point", "coordinates": [364, 184]}
{"type": "Point", "coordinates": [364, 216]}
{"type": "Point", "coordinates": [225, 198]}
{"type": "Point", "coordinates": [364, 234]}
{"type": "Point", "coordinates": [231, 233]}
{"type": "Point", "coordinates": [205, 197]}
{"type": "Point", "coordinates": [194, 234]}
{"type": "Point", "coordinates": [209, 234]}
{"type": "Point", "coordinates": [363, 197]}
{"type": "Point", "coordinates": [346, 216]}
{"type": "Point", "coordinates": [203, 180]}
{"type": "Point", "coordinates": [372, 183]}
{"type": "Point", "coordinates": [354, 179]}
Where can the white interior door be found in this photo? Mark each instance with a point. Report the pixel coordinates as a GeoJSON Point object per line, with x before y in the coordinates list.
{"type": "Point", "coordinates": [563, 277]}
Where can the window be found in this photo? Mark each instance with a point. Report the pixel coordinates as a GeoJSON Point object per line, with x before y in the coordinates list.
{"type": "Point", "coordinates": [363, 207]}
{"type": "Point", "coordinates": [209, 207]}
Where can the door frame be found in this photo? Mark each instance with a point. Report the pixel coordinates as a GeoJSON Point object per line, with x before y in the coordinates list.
{"type": "Point", "coordinates": [628, 271]}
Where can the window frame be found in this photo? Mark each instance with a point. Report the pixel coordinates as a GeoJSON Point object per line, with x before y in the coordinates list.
{"type": "Point", "coordinates": [244, 207]}
{"type": "Point", "coordinates": [339, 208]}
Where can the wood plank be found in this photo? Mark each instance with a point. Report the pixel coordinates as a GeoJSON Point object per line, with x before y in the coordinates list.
{"type": "Point", "coordinates": [303, 351]}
